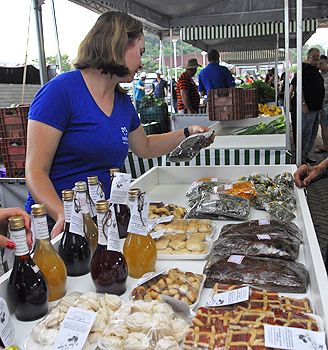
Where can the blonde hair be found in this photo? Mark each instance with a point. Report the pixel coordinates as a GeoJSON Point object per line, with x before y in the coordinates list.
{"type": "Point", "coordinates": [104, 46]}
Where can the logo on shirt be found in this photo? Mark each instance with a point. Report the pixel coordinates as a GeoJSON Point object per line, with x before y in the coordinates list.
{"type": "Point", "coordinates": [124, 135]}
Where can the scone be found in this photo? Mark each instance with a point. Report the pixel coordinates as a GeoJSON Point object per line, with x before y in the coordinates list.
{"type": "Point", "coordinates": [196, 245]}
{"type": "Point", "coordinates": [162, 243]}
{"type": "Point", "coordinates": [177, 244]}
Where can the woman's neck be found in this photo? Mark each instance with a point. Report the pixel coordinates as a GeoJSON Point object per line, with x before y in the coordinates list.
{"type": "Point", "coordinates": [100, 85]}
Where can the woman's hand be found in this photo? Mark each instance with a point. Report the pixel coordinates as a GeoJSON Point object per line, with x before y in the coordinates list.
{"type": "Point", "coordinates": [306, 174]}
{"type": "Point", "coordinates": [198, 129]}
{"type": "Point", "coordinates": [5, 214]}
{"type": "Point", "coordinates": [58, 227]}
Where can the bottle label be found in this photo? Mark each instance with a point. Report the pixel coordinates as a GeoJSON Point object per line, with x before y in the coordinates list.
{"type": "Point", "coordinates": [108, 234]}
{"type": "Point", "coordinates": [40, 225]}
{"type": "Point", "coordinates": [119, 188]}
{"type": "Point", "coordinates": [74, 329]}
{"type": "Point", "coordinates": [81, 198]}
{"type": "Point", "coordinates": [76, 225]}
{"type": "Point", "coordinates": [68, 207]}
{"type": "Point", "coordinates": [19, 237]}
{"type": "Point", "coordinates": [96, 192]}
{"type": "Point", "coordinates": [139, 216]}
{"type": "Point", "coordinates": [7, 331]}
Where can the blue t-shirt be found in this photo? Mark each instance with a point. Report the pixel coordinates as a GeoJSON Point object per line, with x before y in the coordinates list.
{"type": "Point", "coordinates": [139, 93]}
{"type": "Point", "coordinates": [214, 76]}
{"type": "Point", "coordinates": [159, 88]}
{"type": "Point", "coordinates": [92, 142]}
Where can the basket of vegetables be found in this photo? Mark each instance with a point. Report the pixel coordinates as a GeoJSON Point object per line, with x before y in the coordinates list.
{"type": "Point", "coordinates": [277, 126]}
{"type": "Point", "coordinates": [265, 93]}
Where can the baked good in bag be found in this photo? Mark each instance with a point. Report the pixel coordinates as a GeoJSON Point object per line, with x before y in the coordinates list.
{"type": "Point", "coordinates": [273, 274]}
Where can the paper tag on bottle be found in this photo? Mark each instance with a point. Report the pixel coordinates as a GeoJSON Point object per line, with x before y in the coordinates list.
{"type": "Point", "coordinates": [113, 242]}
{"type": "Point", "coordinates": [7, 330]}
{"type": "Point", "coordinates": [19, 237]}
{"type": "Point", "coordinates": [293, 338]}
{"type": "Point", "coordinates": [157, 234]}
{"type": "Point", "coordinates": [119, 188]}
{"type": "Point", "coordinates": [148, 276]}
{"type": "Point", "coordinates": [68, 208]}
{"type": "Point", "coordinates": [40, 226]}
{"type": "Point", "coordinates": [236, 259]}
{"type": "Point", "coordinates": [153, 222]}
{"type": "Point", "coordinates": [230, 297]}
{"type": "Point", "coordinates": [227, 187]}
{"type": "Point", "coordinates": [177, 305]}
{"type": "Point", "coordinates": [263, 237]}
{"type": "Point", "coordinates": [139, 217]}
{"type": "Point", "coordinates": [264, 222]}
{"type": "Point", "coordinates": [74, 329]}
{"type": "Point", "coordinates": [81, 198]}
{"type": "Point", "coordinates": [76, 225]}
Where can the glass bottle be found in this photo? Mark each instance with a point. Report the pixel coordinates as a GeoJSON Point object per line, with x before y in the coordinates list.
{"type": "Point", "coordinates": [73, 248]}
{"type": "Point", "coordinates": [7, 331]}
{"type": "Point", "coordinates": [90, 228]}
{"type": "Point", "coordinates": [96, 193]}
{"type": "Point", "coordinates": [139, 250]}
{"type": "Point", "coordinates": [122, 211]}
{"type": "Point", "coordinates": [108, 267]}
{"type": "Point", "coordinates": [45, 256]}
{"type": "Point", "coordinates": [27, 288]}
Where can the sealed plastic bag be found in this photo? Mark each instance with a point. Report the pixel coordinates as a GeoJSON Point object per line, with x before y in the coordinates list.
{"type": "Point", "coordinates": [190, 147]}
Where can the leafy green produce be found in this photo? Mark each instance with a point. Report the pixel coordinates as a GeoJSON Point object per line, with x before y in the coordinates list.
{"type": "Point", "coordinates": [265, 93]}
{"type": "Point", "coordinates": [151, 101]}
{"type": "Point", "coordinates": [276, 126]}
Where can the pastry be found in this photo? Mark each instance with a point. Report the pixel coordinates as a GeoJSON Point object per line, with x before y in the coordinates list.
{"type": "Point", "coordinates": [139, 322]}
{"type": "Point", "coordinates": [196, 246]}
{"type": "Point", "coordinates": [162, 243]}
{"type": "Point", "coordinates": [177, 244]}
{"type": "Point", "coordinates": [167, 343]}
{"type": "Point", "coordinates": [111, 342]}
{"type": "Point", "coordinates": [137, 341]}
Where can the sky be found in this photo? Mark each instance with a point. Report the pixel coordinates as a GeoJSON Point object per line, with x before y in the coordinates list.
{"type": "Point", "coordinates": [73, 23]}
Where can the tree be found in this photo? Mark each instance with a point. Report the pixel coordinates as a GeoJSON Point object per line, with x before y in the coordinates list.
{"type": "Point", "coordinates": [65, 62]}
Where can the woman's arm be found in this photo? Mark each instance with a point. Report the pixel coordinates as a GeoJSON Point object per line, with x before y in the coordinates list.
{"type": "Point", "coordinates": [42, 143]}
{"type": "Point", "coordinates": [157, 145]}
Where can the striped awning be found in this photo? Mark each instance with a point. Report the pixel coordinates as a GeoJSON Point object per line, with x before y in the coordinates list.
{"type": "Point", "coordinates": [251, 56]}
{"type": "Point", "coordinates": [244, 30]}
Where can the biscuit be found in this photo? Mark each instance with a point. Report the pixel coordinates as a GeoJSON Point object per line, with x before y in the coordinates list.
{"type": "Point", "coordinates": [162, 243]}
{"type": "Point", "coordinates": [177, 244]}
{"type": "Point", "coordinates": [196, 246]}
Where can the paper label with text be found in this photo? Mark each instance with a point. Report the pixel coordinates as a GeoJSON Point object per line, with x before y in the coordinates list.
{"type": "Point", "coordinates": [139, 217]}
{"type": "Point", "coordinates": [119, 188]}
{"type": "Point", "coordinates": [230, 297]}
{"type": "Point", "coordinates": [236, 259]}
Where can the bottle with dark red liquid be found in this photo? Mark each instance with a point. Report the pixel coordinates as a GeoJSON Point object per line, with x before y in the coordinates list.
{"type": "Point", "coordinates": [27, 289]}
{"type": "Point", "coordinates": [108, 266]}
{"type": "Point", "coordinates": [122, 211]}
{"type": "Point", "coordinates": [74, 248]}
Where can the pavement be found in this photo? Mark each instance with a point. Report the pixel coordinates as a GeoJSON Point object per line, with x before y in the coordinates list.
{"type": "Point", "coordinates": [317, 198]}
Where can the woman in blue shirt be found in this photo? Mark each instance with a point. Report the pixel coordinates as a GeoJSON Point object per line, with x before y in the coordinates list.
{"type": "Point", "coordinates": [81, 123]}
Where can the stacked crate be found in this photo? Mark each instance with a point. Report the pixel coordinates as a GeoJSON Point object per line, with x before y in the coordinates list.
{"type": "Point", "coordinates": [13, 128]}
{"type": "Point", "coordinates": [232, 104]}
{"type": "Point", "coordinates": [155, 119]}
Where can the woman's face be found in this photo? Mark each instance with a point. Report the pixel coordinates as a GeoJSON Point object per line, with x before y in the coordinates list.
{"type": "Point", "coordinates": [133, 56]}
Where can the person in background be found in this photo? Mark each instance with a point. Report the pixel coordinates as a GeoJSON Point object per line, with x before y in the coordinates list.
{"type": "Point", "coordinates": [82, 123]}
{"type": "Point", "coordinates": [187, 93]}
{"type": "Point", "coordinates": [159, 86]}
{"type": "Point", "coordinates": [307, 174]}
{"type": "Point", "coordinates": [323, 66]}
{"type": "Point", "coordinates": [313, 92]}
{"type": "Point", "coordinates": [269, 78]}
{"type": "Point", "coordinates": [174, 95]}
{"type": "Point", "coordinates": [5, 214]}
{"type": "Point", "coordinates": [140, 90]}
{"type": "Point", "coordinates": [214, 76]}
{"type": "Point", "coordinates": [248, 79]}
{"type": "Point", "coordinates": [281, 89]}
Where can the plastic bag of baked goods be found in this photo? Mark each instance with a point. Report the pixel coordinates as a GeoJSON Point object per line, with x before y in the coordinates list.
{"type": "Point", "coordinates": [271, 229]}
{"type": "Point", "coordinates": [221, 206]}
{"type": "Point", "coordinates": [274, 274]}
{"type": "Point", "coordinates": [175, 283]}
{"type": "Point", "coordinates": [256, 245]}
{"type": "Point", "coordinates": [190, 147]}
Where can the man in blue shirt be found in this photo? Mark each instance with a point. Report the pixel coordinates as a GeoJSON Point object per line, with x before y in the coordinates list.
{"type": "Point", "coordinates": [139, 91]}
{"type": "Point", "coordinates": [214, 76]}
{"type": "Point", "coordinates": [159, 86]}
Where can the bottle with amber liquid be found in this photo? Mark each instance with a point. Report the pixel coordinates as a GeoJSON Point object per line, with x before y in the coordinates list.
{"type": "Point", "coordinates": [45, 256]}
{"type": "Point", "coordinates": [89, 227]}
{"type": "Point", "coordinates": [27, 289]}
{"type": "Point", "coordinates": [73, 248]}
{"type": "Point", "coordinates": [139, 249]}
{"type": "Point", "coordinates": [108, 267]}
{"type": "Point", "coordinates": [122, 211]}
{"type": "Point", "coordinates": [95, 193]}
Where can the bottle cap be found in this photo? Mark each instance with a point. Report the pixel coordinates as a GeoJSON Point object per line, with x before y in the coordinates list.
{"type": "Point", "coordinates": [114, 170]}
{"type": "Point", "coordinates": [93, 180]}
{"type": "Point", "coordinates": [102, 206]}
{"type": "Point", "coordinates": [80, 186]}
{"type": "Point", "coordinates": [16, 222]}
{"type": "Point", "coordinates": [38, 209]}
{"type": "Point", "coordinates": [67, 195]}
{"type": "Point", "coordinates": [134, 192]}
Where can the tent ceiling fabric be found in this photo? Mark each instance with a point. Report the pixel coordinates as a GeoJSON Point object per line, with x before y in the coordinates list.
{"type": "Point", "coordinates": [167, 14]}
{"type": "Point", "coordinates": [252, 57]}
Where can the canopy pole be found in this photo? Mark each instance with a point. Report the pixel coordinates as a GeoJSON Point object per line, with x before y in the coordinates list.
{"type": "Point", "coordinates": [276, 72]}
{"type": "Point", "coordinates": [171, 84]}
{"type": "Point", "coordinates": [286, 82]}
{"type": "Point", "coordinates": [39, 30]}
{"type": "Point", "coordinates": [299, 4]}
{"type": "Point", "coordinates": [160, 52]}
{"type": "Point", "coordinates": [175, 58]}
{"type": "Point", "coordinates": [181, 48]}
{"type": "Point", "coordinates": [59, 63]}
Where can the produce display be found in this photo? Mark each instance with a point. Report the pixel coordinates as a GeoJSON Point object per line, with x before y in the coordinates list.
{"type": "Point", "coordinates": [265, 93]}
{"type": "Point", "coordinates": [277, 126]}
{"type": "Point", "coordinates": [157, 210]}
{"type": "Point", "coordinates": [270, 111]}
